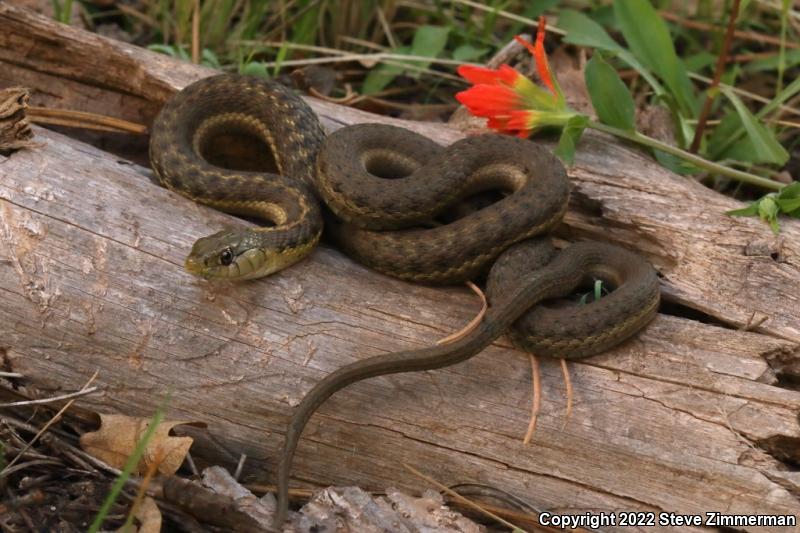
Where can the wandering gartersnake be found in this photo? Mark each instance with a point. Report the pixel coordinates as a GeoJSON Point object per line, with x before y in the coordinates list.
{"type": "Point", "coordinates": [366, 214]}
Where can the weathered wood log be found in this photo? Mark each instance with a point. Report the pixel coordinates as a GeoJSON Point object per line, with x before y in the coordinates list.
{"type": "Point", "coordinates": [15, 129]}
{"type": "Point", "coordinates": [691, 416]}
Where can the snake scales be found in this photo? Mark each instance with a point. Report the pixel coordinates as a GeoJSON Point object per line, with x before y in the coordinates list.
{"type": "Point", "coordinates": [368, 216]}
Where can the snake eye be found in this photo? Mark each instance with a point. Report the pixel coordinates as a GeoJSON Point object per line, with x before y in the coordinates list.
{"type": "Point", "coordinates": [226, 257]}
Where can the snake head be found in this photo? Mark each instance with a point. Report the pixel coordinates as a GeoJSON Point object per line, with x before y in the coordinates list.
{"type": "Point", "coordinates": [237, 255]}
{"type": "Point", "coordinates": [227, 255]}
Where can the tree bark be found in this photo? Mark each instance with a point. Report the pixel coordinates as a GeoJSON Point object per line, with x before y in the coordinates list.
{"type": "Point", "coordinates": [693, 415]}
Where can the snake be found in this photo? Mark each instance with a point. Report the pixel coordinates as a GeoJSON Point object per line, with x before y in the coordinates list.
{"type": "Point", "coordinates": [382, 192]}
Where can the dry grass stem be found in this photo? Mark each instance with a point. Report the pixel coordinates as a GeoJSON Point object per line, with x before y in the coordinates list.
{"type": "Point", "coordinates": [458, 496]}
{"type": "Point", "coordinates": [81, 119]}
{"type": "Point", "coordinates": [472, 323]}
{"type": "Point", "coordinates": [41, 401]}
{"type": "Point", "coordinates": [49, 423]}
{"type": "Point", "coordinates": [536, 402]}
{"type": "Point", "coordinates": [568, 385]}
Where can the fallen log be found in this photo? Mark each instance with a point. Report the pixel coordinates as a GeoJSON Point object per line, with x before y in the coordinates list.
{"type": "Point", "coordinates": [695, 414]}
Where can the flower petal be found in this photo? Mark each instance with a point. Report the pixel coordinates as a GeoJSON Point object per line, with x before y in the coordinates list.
{"type": "Point", "coordinates": [476, 75]}
{"type": "Point", "coordinates": [539, 54]}
{"type": "Point", "coordinates": [511, 102]}
{"type": "Point", "coordinates": [488, 100]}
{"type": "Point", "coordinates": [482, 75]}
{"type": "Point", "coordinates": [522, 120]}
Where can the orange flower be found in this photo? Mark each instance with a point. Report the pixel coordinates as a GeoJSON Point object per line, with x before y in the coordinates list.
{"type": "Point", "coordinates": [511, 102]}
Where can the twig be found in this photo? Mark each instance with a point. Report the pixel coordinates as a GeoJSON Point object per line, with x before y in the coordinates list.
{"type": "Point", "coordinates": [710, 166]}
{"type": "Point", "coordinates": [744, 35]}
{"type": "Point", "coordinates": [240, 467]}
{"type": "Point", "coordinates": [506, 14]}
{"type": "Point", "coordinates": [196, 32]}
{"type": "Point", "coordinates": [746, 94]}
{"type": "Point", "coordinates": [710, 92]}
{"type": "Point", "coordinates": [81, 119]}
{"type": "Point", "coordinates": [472, 323]}
{"type": "Point", "coordinates": [49, 423]}
{"type": "Point", "coordinates": [133, 12]}
{"type": "Point", "coordinates": [457, 496]}
{"type": "Point", "coordinates": [77, 394]}
{"type": "Point", "coordinates": [386, 28]}
{"type": "Point", "coordinates": [63, 444]}
{"type": "Point", "coordinates": [8, 470]}
{"type": "Point", "coordinates": [568, 385]}
{"type": "Point", "coordinates": [536, 402]}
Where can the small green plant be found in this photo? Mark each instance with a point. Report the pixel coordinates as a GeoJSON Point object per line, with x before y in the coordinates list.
{"type": "Point", "coordinates": [598, 292]}
{"type": "Point", "coordinates": [62, 12]}
{"type": "Point", "coordinates": [768, 207]}
{"type": "Point", "coordinates": [512, 104]}
{"type": "Point", "coordinates": [207, 57]}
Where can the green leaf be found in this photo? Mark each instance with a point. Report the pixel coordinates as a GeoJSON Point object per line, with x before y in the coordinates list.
{"type": "Point", "coordinates": [254, 68]}
{"type": "Point", "coordinates": [767, 149]}
{"type": "Point", "coordinates": [429, 41]}
{"type": "Point", "coordinates": [788, 199]}
{"type": "Point", "coordinates": [583, 31]}
{"type": "Point", "coordinates": [467, 52]}
{"type": "Point", "coordinates": [570, 135]}
{"type": "Point", "coordinates": [304, 31]}
{"type": "Point", "coordinates": [165, 49]}
{"type": "Point", "coordinates": [791, 59]}
{"type": "Point", "coordinates": [209, 59]}
{"type": "Point", "coordinates": [724, 135]}
{"type": "Point", "coordinates": [280, 57]}
{"type": "Point", "coordinates": [675, 163]}
{"type": "Point", "coordinates": [610, 96]}
{"type": "Point", "coordinates": [383, 74]}
{"type": "Point", "coordinates": [379, 77]}
{"type": "Point", "coordinates": [790, 191]}
{"type": "Point", "coordinates": [768, 210]}
{"type": "Point", "coordinates": [790, 206]}
{"type": "Point", "coordinates": [731, 128]}
{"type": "Point", "coordinates": [699, 61]}
{"type": "Point", "coordinates": [748, 211]}
{"type": "Point", "coordinates": [538, 7]}
{"type": "Point", "coordinates": [648, 37]}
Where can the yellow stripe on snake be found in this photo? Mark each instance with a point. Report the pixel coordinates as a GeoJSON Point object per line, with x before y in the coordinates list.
{"type": "Point", "coordinates": [378, 185]}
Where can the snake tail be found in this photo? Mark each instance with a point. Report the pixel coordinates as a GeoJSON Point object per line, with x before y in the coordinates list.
{"type": "Point", "coordinates": [558, 278]}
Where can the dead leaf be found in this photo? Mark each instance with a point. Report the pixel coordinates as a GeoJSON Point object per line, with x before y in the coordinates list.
{"type": "Point", "coordinates": [118, 435]}
{"type": "Point", "coordinates": [149, 516]}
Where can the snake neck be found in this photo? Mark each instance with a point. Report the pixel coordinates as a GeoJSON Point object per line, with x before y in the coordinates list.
{"type": "Point", "coordinates": [205, 117]}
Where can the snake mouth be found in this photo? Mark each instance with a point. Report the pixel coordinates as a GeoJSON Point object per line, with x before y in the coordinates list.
{"type": "Point", "coordinates": [195, 267]}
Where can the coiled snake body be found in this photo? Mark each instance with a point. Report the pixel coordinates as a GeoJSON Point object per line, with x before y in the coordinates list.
{"type": "Point", "coordinates": [349, 172]}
